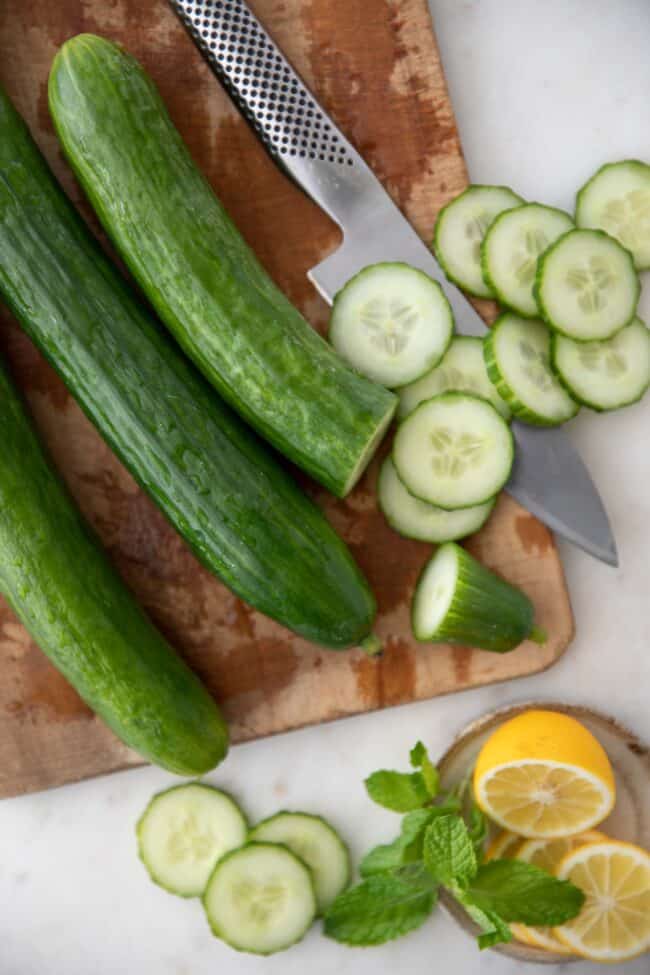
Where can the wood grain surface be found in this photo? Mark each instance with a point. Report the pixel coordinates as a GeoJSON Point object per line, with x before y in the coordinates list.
{"type": "Point", "coordinates": [375, 66]}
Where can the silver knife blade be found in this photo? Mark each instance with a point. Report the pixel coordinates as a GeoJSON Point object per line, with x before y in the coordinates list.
{"type": "Point", "coordinates": [548, 478]}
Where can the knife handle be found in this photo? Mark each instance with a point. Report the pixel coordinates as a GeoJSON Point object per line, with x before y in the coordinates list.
{"type": "Point", "coordinates": [294, 128]}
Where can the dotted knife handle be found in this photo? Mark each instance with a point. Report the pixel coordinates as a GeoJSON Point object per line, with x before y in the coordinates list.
{"type": "Point", "coordinates": [276, 102]}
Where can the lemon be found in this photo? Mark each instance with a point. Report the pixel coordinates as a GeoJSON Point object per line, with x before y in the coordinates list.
{"type": "Point", "coordinates": [547, 854]}
{"type": "Point", "coordinates": [543, 775]}
{"type": "Point", "coordinates": [503, 846]}
{"type": "Point", "coordinates": [614, 923]}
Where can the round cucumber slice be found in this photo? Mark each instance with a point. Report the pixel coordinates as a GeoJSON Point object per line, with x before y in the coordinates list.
{"type": "Point", "coordinates": [587, 287]}
{"type": "Point", "coordinates": [260, 899]}
{"type": "Point", "coordinates": [457, 600]}
{"type": "Point", "coordinates": [460, 229]}
{"type": "Point", "coordinates": [184, 831]}
{"type": "Point", "coordinates": [392, 323]}
{"type": "Point", "coordinates": [454, 451]}
{"type": "Point", "coordinates": [461, 370]}
{"type": "Point", "coordinates": [425, 522]}
{"type": "Point", "coordinates": [317, 844]}
{"type": "Point", "coordinates": [518, 359]}
{"type": "Point", "coordinates": [617, 200]}
{"type": "Point", "coordinates": [605, 375]}
{"type": "Point", "coordinates": [511, 250]}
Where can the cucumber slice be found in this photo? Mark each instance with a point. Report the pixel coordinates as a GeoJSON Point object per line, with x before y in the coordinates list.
{"type": "Point", "coordinates": [391, 322]}
{"type": "Point", "coordinates": [457, 600]}
{"type": "Point", "coordinates": [587, 286]}
{"type": "Point", "coordinates": [425, 522]}
{"type": "Point", "coordinates": [184, 831]}
{"type": "Point", "coordinates": [454, 451]}
{"type": "Point", "coordinates": [518, 359]}
{"type": "Point", "coordinates": [461, 370]}
{"type": "Point", "coordinates": [460, 229]}
{"type": "Point", "coordinates": [511, 249]}
{"type": "Point", "coordinates": [617, 200]}
{"type": "Point", "coordinates": [317, 844]}
{"type": "Point", "coordinates": [260, 898]}
{"type": "Point", "coordinates": [605, 375]}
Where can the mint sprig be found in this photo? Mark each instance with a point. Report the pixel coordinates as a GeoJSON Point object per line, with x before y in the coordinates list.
{"type": "Point", "coordinates": [441, 844]}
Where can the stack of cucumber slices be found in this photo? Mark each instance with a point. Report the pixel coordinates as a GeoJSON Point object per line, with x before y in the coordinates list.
{"type": "Point", "coordinates": [261, 887]}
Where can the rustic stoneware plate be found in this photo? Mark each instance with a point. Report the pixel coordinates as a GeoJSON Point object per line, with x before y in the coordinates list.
{"type": "Point", "coordinates": [630, 819]}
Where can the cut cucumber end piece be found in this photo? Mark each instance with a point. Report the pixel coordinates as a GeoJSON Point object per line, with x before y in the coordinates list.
{"type": "Point", "coordinates": [260, 899]}
{"type": "Point", "coordinates": [460, 229]}
{"type": "Point", "coordinates": [587, 287]}
{"type": "Point", "coordinates": [370, 449]}
{"type": "Point", "coordinates": [425, 522]}
{"type": "Point", "coordinates": [605, 375]}
{"type": "Point", "coordinates": [391, 322]}
{"type": "Point", "coordinates": [518, 360]}
{"type": "Point", "coordinates": [184, 832]}
{"type": "Point", "coordinates": [459, 601]}
{"type": "Point", "coordinates": [454, 451]}
{"type": "Point", "coordinates": [461, 370]}
{"type": "Point", "coordinates": [617, 200]}
{"type": "Point", "coordinates": [511, 249]}
{"type": "Point", "coordinates": [317, 844]}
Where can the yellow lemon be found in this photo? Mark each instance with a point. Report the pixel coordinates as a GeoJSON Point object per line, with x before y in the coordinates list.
{"type": "Point", "coordinates": [614, 923]}
{"type": "Point", "coordinates": [503, 846]}
{"type": "Point", "coordinates": [543, 775]}
{"type": "Point", "coordinates": [548, 854]}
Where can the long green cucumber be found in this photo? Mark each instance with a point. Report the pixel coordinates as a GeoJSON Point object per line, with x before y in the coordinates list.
{"type": "Point", "coordinates": [196, 270]}
{"type": "Point", "coordinates": [241, 513]}
{"type": "Point", "coordinates": [60, 584]}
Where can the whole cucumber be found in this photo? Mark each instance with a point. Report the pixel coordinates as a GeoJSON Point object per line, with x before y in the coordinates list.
{"type": "Point", "coordinates": [220, 487]}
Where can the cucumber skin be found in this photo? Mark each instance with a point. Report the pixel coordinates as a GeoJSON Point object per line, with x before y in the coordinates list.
{"type": "Point", "coordinates": [240, 512]}
{"type": "Point", "coordinates": [138, 828]}
{"type": "Point", "coordinates": [540, 274]}
{"type": "Point", "coordinates": [506, 392]}
{"type": "Point", "coordinates": [216, 930]}
{"type": "Point", "coordinates": [499, 616]}
{"type": "Point", "coordinates": [59, 583]}
{"type": "Point", "coordinates": [241, 331]}
{"type": "Point", "coordinates": [582, 191]}
{"type": "Point", "coordinates": [589, 404]}
{"type": "Point", "coordinates": [488, 292]}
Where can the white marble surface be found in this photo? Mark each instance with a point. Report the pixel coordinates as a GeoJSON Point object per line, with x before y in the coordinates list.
{"type": "Point", "coordinates": [544, 92]}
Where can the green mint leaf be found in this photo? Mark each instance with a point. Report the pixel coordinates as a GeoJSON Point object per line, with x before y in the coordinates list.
{"type": "Point", "coordinates": [494, 930]}
{"type": "Point", "coordinates": [420, 759]}
{"type": "Point", "coordinates": [518, 891]}
{"type": "Point", "coordinates": [407, 848]}
{"type": "Point", "coordinates": [398, 791]}
{"type": "Point", "coordinates": [381, 908]}
{"type": "Point", "coordinates": [478, 827]}
{"type": "Point", "coordinates": [448, 851]}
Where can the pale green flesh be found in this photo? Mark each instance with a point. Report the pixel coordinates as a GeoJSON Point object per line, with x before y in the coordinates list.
{"type": "Point", "coordinates": [521, 351]}
{"type": "Point", "coordinates": [606, 375]}
{"type": "Point", "coordinates": [425, 522]}
{"type": "Point", "coordinates": [617, 200]}
{"type": "Point", "coordinates": [184, 832]}
{"type": "Point", "coordinates": [512, 248]}
{"type": "Point", "coordinates": [317, 845]}
{"type": "Point", "coordinates": [587, 286]}
{"type": "Point", "coordinates": [260, 899]}
{"type": "Point", "coordinates": [391, 322]}
{"type": "Point", "coordinates": [435, 592]}
{"type": "Point", "coordinates": [461, 370]}
{"type": "Point", "coordinates": [460, 229]}
{"type": "Point", "coordinates": [454, 451]}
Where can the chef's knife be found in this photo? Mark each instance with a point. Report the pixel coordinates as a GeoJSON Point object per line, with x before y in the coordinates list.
{"type": "Point", "coordinates": [548, 478]}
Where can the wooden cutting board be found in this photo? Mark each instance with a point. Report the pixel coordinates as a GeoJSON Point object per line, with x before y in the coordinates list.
{"type": "Point", "coordinates": [375, 66]}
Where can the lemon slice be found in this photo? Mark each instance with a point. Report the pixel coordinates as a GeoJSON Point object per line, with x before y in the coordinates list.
{"type": "Point", "coordinates": [548, 854]}
{"type": "Point", "coordinates": [503, 846]}
{"type": "Point", "coordinates": [544, 775]}
{"type": "Point", "coordinates": [614, 923]}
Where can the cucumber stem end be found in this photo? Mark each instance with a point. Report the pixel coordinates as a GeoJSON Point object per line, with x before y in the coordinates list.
{"type": "Point", "coordinates": [538, 635]}
{"type": "Point", "coordinates": [372, 645]}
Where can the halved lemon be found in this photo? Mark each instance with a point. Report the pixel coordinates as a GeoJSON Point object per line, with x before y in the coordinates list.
{"type": "Point", "coordinates": [544, 775]}
{"type": "Point", "coordinates": [614, 923]}
{"type": "Point", "coordinates": [548, 854]}
{"type": "Point", "coordinates": [503, 846]}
